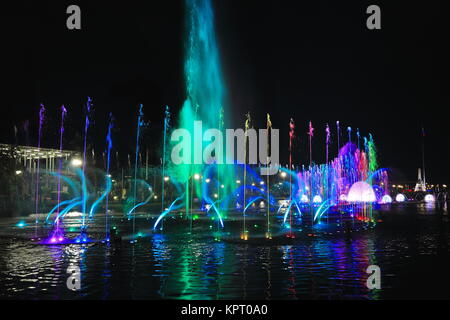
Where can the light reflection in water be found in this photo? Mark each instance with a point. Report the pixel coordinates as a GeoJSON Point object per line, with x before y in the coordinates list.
{"type": "Point", "coordinates": [169, 266]}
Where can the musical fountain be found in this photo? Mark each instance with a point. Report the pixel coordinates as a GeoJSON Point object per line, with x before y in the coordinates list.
{"type": "Point", "coordinates": [344, 188]}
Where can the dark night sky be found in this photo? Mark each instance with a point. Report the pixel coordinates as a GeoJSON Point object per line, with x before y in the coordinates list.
{"type": "Point", "coordinates": [312, 60]}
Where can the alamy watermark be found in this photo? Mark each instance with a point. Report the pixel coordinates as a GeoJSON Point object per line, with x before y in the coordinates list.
{"type": "Point", "coordinates": [74, 280]}
{"type": "Point", "coordinates": [374, 279]}
{"type": "Point", "coordinates": [208, 147]}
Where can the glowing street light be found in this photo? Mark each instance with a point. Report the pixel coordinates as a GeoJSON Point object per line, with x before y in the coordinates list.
{"type": "Point", "coordinates": [166, 178]}
{"type": "Point", "coordinates": [283, 174]}
{"type": "Point", "coordinates": [18, 172]}
{"type": "Point", "coordinates": [208, 180]}
{"type": "Point", "coordinates": [196, 176]}
{"type": "Point", "coordinates": [76, 162]}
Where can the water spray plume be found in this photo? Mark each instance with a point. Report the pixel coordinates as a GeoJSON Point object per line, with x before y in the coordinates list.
{"type": "Point", "coordinates": [109, 145]}
{"type": "Point", "coordinates": [166, 128]}
{"type": "Point", "coordinates": [140, 124]}
{"type": "Point", "coordinates": [327, 141]}
{"type": "Point", "coordinates": [268, 233]}
{"type": "Point", "coordinates": [86, 129]}
{"type": "Point", "coordinates": [311, 135]}
{"type": "Point", "coordinates": [41, 123]}
{"type": "Point", "coordinates": [61, 137]}
{"type": "Point", "coordinates": [291, 141]}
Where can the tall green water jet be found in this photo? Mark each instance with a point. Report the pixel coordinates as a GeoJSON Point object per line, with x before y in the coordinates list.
{"type": "Point", "coordinates": [372, 151]}
{"type": "Point", "coordinates": [205, 91]}
{"type": "Point", "coordinates": [204, 83]}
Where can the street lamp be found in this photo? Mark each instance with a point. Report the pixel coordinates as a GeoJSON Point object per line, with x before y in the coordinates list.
{"type": "Point", "coordinates": [76, 162]}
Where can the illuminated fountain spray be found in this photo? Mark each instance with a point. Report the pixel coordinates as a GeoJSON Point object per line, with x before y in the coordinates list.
{"type": "Point", "coordinates": [338, 133]}
{"type": "Point", "coordinates": [311, 194]}
{"type": "Point", "coordinates": [327, 141]}
{"type": "Point", "coordinates": [349, 130]}
{"type": "Point", "coordinates": [84, 188]}
{"type": "Point", "coordinates": [108, 158]}
{"type": "Point", "coordinates": [61, 137]}
{"type": "Point", "coordinates": [205, 97]}
{"type": "Point", "coordinates": [268, 233]}
{"type": "Point", "coordinates": [140, 123]}
{"type": "Point", "coordinates": [192, 173]}
{"type": "Point", "coordinates": [57, 233]}
{"type": "Point", "coordinates": [327, 145]}
{"type": "Point", "coordinates": [358, 137]}
{"type": "Point", "coordinates": [338, 129]}
{"type": "Point", "coordinates": [291, 140]}
{"type": "Point", "coordinates": [311, 135]}
{"type": "Point", "coordinates": [244, 235]}
{"type": "Point", "coordinates": [163, 176]}
{"type": "Point", "coordinates": [221, 127]}
{"type": "Point", "coordinates": [373, 164]}
{"type": "Point", "coordinates": [41, 123]}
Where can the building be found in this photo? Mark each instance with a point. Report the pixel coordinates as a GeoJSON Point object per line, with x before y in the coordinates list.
{"type": "Point", "coordinates": [47, 158]}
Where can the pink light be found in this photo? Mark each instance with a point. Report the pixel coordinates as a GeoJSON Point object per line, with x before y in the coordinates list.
{"type": "Point", "coordinates": [361, 191]}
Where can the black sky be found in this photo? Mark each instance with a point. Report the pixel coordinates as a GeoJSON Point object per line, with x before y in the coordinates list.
{"type": "Point", "coordinates": [312, 60]}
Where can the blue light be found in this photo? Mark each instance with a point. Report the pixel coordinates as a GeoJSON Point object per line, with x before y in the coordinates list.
{"type": "Point", "coordinates": [21, 224]}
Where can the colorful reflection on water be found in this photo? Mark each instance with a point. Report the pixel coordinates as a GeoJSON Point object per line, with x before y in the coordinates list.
{"type": "Point", "coordinates": [412, 240]}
